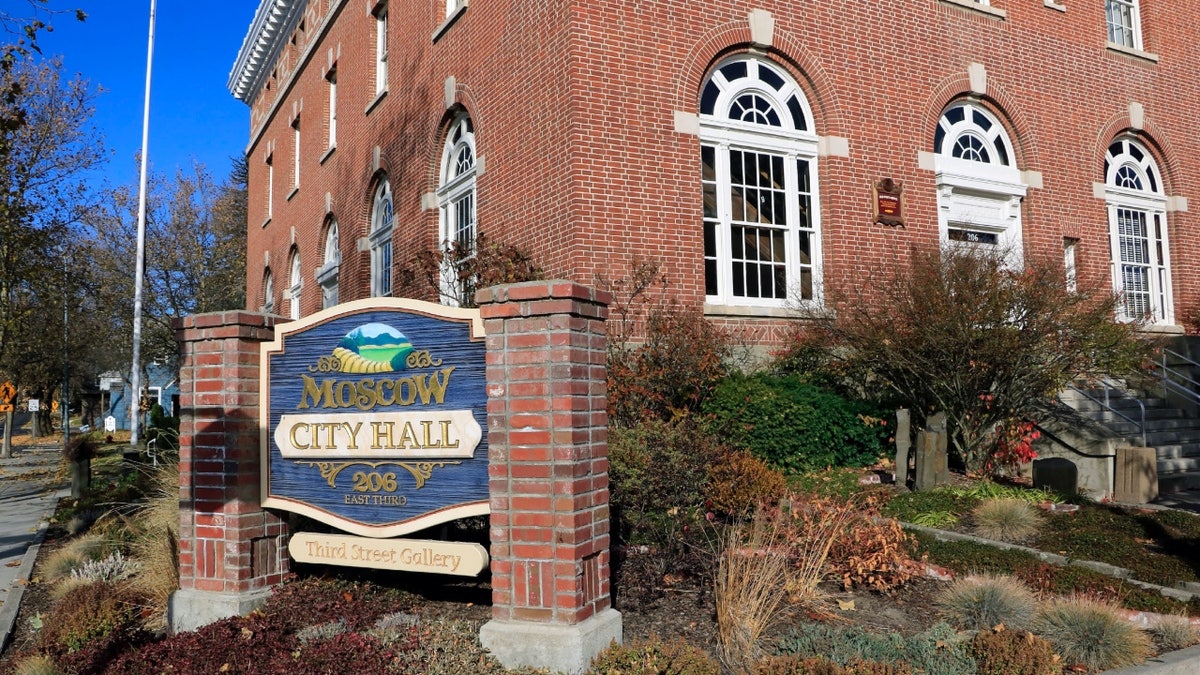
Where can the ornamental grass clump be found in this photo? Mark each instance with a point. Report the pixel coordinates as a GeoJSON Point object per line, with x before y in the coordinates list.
{"type": "Point", "coordinates": [1090, 634]}
{"type": "Point", "coordinates": [1174, 632]}
{"type": "Point", "coordinates": [1010, 520]}
{"type": "Point", "coordinates": [982, 602]}
{"type": "Point", "coordinates": [754, 571]}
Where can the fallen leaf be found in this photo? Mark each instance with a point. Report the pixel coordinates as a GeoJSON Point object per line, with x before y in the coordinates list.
{"type": "Point", "coordinates": [847, 605]}
{"type": "Point", "coordinates": [14, 563]}
{"type": "Point", "coordinates": [223, 669]}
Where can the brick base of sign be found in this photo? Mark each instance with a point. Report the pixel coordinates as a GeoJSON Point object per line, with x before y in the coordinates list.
{"type": "Point", "coordinates": [559, 648]}
{"type": "Point", "coordinates": [232, 552]}
{"type": "Point", "coordinates": [548, 475]}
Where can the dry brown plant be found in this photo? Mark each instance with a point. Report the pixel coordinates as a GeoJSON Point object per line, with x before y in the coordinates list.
{"type": "Point", "coordinates": [155, 548]}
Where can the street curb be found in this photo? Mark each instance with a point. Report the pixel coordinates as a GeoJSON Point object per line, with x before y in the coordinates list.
{"type": "Point", "coordinates": [1182, 662]}
{"type": "Point", "coordinates": [12, 604]}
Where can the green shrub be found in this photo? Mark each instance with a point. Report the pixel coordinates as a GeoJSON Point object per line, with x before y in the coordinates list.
{"type": "Point", "coordinates": [1006, 652]}
{"type": "Point", "coordinates": [1088, 633]}
{"type": "Point", "coordinates": [985, 601]}
{"type": "Point", "coordinates": [794, 425]}
{"type": "Point", "coordinates": [936, 651]}
{"type": "Point", "coordinates": [1010, 520]}
{"type": "Point", "coordinates": [653, 657]}
{"type": "Point", "coordinates": [658, 473]}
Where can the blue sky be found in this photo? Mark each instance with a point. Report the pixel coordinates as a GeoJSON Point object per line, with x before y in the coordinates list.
{"type": "Point", "coordinates": [192, 115]}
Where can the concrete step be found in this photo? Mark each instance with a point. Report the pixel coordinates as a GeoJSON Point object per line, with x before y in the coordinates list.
{"type": "Point", "coordinates": [1167, 467]}
{"type": "Point", "coordinates": [1178, 482]}
{"type": "Point", "coordinates": [1180, 451]}
{"type": "Point", "coordinates": [1180, 426]}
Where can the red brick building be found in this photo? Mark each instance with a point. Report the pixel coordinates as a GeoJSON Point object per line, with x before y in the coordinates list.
{"type": "Point", "coordinates": [737, 142]}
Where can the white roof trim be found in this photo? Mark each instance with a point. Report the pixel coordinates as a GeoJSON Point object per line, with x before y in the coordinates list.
{"type": "Point", "coordinates": [272, 24]}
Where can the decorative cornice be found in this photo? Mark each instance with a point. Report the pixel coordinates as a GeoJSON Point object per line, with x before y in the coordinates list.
{"type": "Point", "coordinates": [273, 22]}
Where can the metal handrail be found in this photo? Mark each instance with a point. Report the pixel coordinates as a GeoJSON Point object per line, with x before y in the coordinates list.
{"type": "Point", "coordinates": [1189, 387]}
{"type": "Point", "coordinates": [1107, 405]}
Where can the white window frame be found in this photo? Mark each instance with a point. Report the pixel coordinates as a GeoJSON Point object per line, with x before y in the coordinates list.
{"type": "Point", "coordinates": [380, 240]}
{"type": "Point", "coordinates": [381, 49]}
{"type": "Point", "coordinates": [795, 142]}
{"type": "Point", "coordinates": [979, 197]}
{"type": "Point", "coordinates": [296, 282]}
{"type": "Point", "coordinates": [296, 153]}
{"type": "Point", "coordinates": [268, 306]}
{"type": "Point", "coordinates": [270, 186]}
{"type": "Point", "coordinates": [1149, 201]}
{"type": "Point", "coordinates": [331, 78]}
{"type": "Point", "coordinates": [457, 204]}
{"type": "Point", "coordinates": [327, 274]}
{"type": "Point", "coordinates": [1121, 32]}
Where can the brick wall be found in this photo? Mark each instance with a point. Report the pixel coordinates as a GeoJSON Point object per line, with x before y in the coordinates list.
{"type": "Point", "coordinates": [574, 109]}
{"type": "Point", "coordinates": [548, 468]}
{"type": "Point", "coordinates": [227, 543]}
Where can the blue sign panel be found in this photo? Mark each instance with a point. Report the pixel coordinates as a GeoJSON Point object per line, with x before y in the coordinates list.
{"type": "Point", "coordinates": [375, 416]}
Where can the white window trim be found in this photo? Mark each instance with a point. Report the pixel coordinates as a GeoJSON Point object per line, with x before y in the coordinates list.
{"type": "Point", "coordinates": [268, 292]}
{"type": "Point", "coordinates": [381, 237]}
{"type": "Point", "coordinates": [328, 273]}
{"type": "Point", "coordinates": [1152, 203]}
{"type": "Point", "coordinates": [449, 194]}
{"type": "Point", "coordinates": [293, 292]}
{"type": "Point", "coordinates": [270, 188]}
{"type": "Point", "coordinates": [296, 153]}
{"type": "Point", "coordinates": [381, 49]}
{"type": "Point", "coordinates": [331, 78]}
{"type": "Point", "coordinates": [975, 196]}
{"type": "Point", "coordinates": [725, 135]}
{"type": "Point", "coordinates": [1135, 24]}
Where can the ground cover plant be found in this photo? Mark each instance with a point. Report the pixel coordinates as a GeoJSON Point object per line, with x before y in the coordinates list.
{"type": "Point", "coordinates": [1158, 545]}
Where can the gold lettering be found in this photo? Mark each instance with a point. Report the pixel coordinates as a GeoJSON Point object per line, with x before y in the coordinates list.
{"type": "Point", "coordinates": [446, 442]}
{"type": "Point", "coordinates": [295, 442]}
{"type": "Point", "coordinates": [408, 437]}
{"type": "Point", "coordinates": [311, 391]}
{"type": "Point", "coordinates": [386, 399]}
{"type": "Point", "coordinates": [406, 393]}
{"type": "Point", "coordinates": [353, 432]}
{"type": "Point", "coordinates": [427, 425]}
{"type": "Point", "coordinates": [365, 400]}
{"type": "Point", "coordinates": [433, 385]}
{"type": "Point", "coordinates": [345, 395]}
{"type": "Point", "coordinates": [383, 435]}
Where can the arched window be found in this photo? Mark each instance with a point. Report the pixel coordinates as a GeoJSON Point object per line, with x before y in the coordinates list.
{"type": "Point", "coordinates": [1137, 226]}
{"type": "Point", "coordinates": [381, 240]}
{"type": "Point", "coordinates": [758, 152]}
{"type": "Point", "coordinates": [268, 305]}
{"type": "Point", "coordinates": [327, 274]}
{"type": "Point", "coordinates": [293, 292]}
{"type": "Point", "coordinates": [979, 187]}
{"type": "Point", "coordinates": [456, 199]}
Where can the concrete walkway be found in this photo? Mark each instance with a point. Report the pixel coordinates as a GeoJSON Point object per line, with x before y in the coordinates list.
{"type": "Point", "coordinates": [29, 493]}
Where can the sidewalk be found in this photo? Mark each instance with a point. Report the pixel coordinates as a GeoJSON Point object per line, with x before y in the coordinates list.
{"type": "Point", "coordinates": [29, 493]}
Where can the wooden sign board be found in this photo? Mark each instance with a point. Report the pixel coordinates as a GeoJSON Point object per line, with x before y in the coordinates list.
{"type": "Point", "coordinates": [375, 416]}
{"type": "Point", "coordinates": [405, 555]}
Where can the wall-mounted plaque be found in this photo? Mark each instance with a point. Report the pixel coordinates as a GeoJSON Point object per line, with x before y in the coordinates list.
{"type": "Point", "coordinates": [888, 199]}
{"type": "Point", "coordinates": [375, 416]}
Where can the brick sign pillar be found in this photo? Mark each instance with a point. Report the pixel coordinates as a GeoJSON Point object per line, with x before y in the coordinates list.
{"type": "Point", "coordinates": [231, 551]}
{"type": "Point", "coordinates": [548, 475]}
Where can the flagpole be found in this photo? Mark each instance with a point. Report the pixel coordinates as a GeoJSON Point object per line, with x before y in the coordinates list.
{"type": "Point", "coordinates": [135, 379]}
